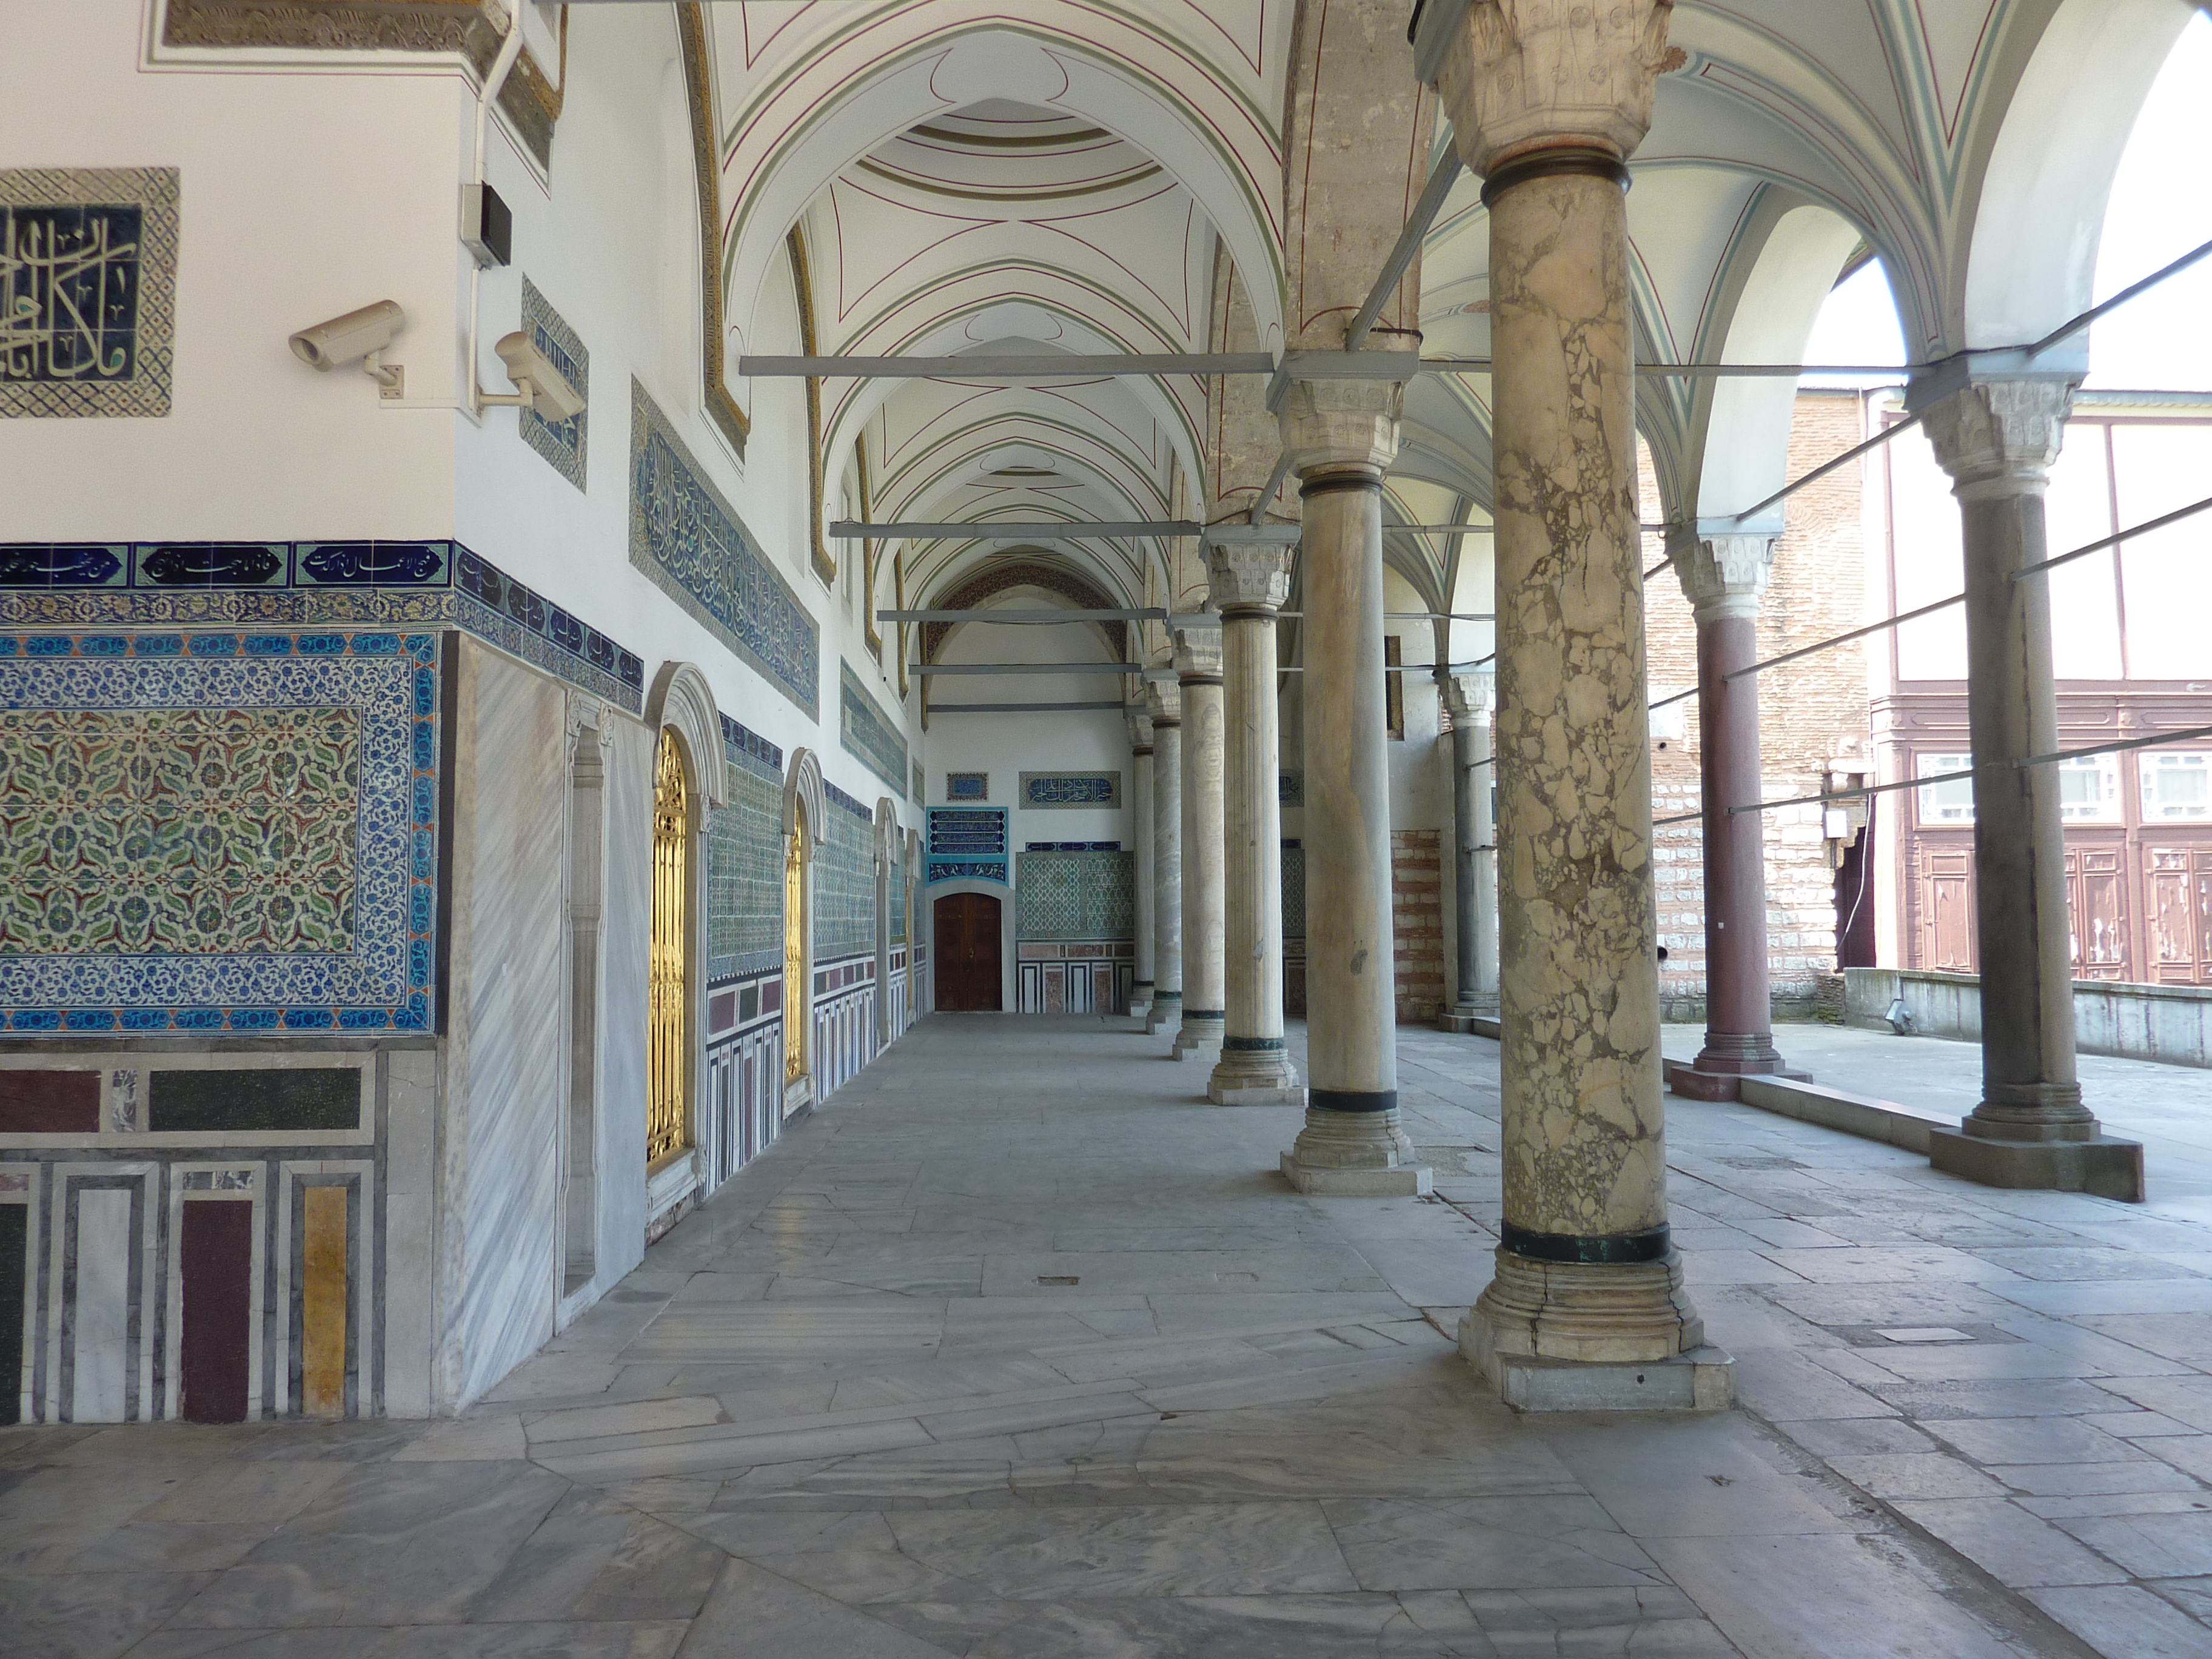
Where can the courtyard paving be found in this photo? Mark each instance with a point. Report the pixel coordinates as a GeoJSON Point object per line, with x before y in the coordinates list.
{"type": "Point", "coordinates": [1018, 1348]}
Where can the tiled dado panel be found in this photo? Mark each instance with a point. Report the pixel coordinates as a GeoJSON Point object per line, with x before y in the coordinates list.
{"type": "Point", "coordinates": [211, 832]}
{"type": "Point", "coordinates": [844, 1021]}
{"type": "Point", "coordinates": [742, 1111]}
{"type": "Point", "coordinates": [229, 1272]}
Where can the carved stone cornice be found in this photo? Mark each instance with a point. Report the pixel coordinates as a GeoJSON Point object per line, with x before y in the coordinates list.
{"type": "Point", "coordinates": [1248, 576]}
{"type": "Point", "coordinates": [1723, 576]}
{"type": "Point", "coordinates": [1341, 425]}
{"type": "Point", "coordinates": [2000, 437]}
{"type": "Point", "coordinates": [1518, 76]}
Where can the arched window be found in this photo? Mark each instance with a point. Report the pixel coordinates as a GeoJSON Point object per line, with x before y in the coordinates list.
{"type": "Point", "coordinates": [798, 993]}
{"type": "Point", "coordinates": [668, 994]}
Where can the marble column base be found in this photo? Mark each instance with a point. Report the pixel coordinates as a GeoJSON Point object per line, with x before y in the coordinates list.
{"type": "Point", "coordinates": [1702, 1379]}
{"type": "Point", "coordinates": [1255, 1077]}
{"type": "Point", "coordinates": [1199, 1038]}
{"type": "Point", "coordinates": [1472, 1022]}
{"type": "Point", "coordinates": [1355, 1155]}
{"type": "Point", "coordinates": [1588, 1313]}
{"type": "Point", "coordinates": [1141, 1001]}
{"type": "Point", "coordinates": [2102, 1165]}
{"type": "Point", "coordinates": [1165, 1013]}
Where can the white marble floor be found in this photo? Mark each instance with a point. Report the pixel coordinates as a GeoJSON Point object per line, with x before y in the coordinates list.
{"type": "Point", "coordinates": [1018, 1348]}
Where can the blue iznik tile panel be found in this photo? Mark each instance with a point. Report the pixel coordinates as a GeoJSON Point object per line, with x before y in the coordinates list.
{"type": "Point", "coordinates": [844, 880]}
{"type": "Point", "coordinates": [563, 442]}
{"type": "Point", "coordinates": [88, 281]}
{"type": "Point", "coordinates": [218, 832]}
{"type": "Point", "coordinates": [865, 733]}
{"type": "Point", "coordinates": [692, 544]}
{"type": "Point", "coordinates": [1076, 896]}
{"type": "Point", "coordinates": [898, 900]}
{"type": "Point", "coordinates": [744, 861]}
{"type": "Point", "coordinates": [966, 843]}
{"type": "Point", "coordinates": [1294, 891]}
{"type": "Point", "coordinates": [308, 583]}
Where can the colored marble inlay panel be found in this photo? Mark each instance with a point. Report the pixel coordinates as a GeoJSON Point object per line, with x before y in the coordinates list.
{"type": "Point", "coordinates": [1057, 790]}
{"type": "Point", "coordinates": [563, 443]}
{"type": "Point", "coordinates": [202, 832]}
{"type": "Point", "coordinates": [49, 1104]}
{"type": "Point", "coordinates": [323, 1287]}
{"type": "Point", "coordinates": [14, 1266]}
{"type": "Point", "coordinates": [692, 544]}
{"type": "Point", "coordinates": [216, 1275]}
{"type": "Point", "coordinates": [87, 273]}
{"type": "Point", "coordinates": [217, 1102]}
{"type": "Point", "coordinates": [865, 733]}
{"type": "Point", "coordinates": [1065, 895]}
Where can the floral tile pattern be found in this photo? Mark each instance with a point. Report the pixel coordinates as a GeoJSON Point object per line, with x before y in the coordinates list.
{"type": "Point", "coordinates": [206, 832]}
{"type": "Point", "coordinates": [865, 733]}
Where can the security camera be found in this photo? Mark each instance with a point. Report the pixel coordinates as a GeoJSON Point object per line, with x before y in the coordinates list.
{"type": "Point", "coordinates": [349, 338]}
{"type": "Point", "coordinates": [546, 389]}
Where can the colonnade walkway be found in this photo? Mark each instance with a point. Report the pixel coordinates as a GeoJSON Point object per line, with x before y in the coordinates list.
{"type": "Point", "coordinates": [1018, 1348]}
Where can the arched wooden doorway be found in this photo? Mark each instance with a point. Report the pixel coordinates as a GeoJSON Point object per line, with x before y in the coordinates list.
{"type": "Point", "coordinates": [966, 945]}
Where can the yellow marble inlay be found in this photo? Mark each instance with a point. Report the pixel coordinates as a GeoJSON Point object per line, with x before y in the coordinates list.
{"type": "Point", "coordinates": [323, 1284]}
{"type": "Point", "coordinates": [668, 987]}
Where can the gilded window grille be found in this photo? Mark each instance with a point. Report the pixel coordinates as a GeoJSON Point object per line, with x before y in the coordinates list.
{"type": "Point", "coordinates": [798, 999]}
{"type": "Point", "coordinates": [668, 997]}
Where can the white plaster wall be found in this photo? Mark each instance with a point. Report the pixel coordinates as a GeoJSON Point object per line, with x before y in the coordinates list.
{"type": "Point", "coordinates": [304, 195]}
{"type": "Point", "coordinates": [510, 1091]}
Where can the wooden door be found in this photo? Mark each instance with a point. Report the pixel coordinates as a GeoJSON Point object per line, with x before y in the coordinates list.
{"type": "Point", "coordinates": [2179, 905]}
{"type": "Point", "coordinates": [2096, 906]}
{"type": "Point", "coordinates": [968, 965]}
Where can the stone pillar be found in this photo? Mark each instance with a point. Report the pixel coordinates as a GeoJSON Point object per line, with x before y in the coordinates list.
{"type": "Point", "coordinates": [1998, 439]}
{"type": "Point", "coordinates": [1586, 1309]}
{"type": "Point", "coordinates": [1341, 434]}
{"type": "Point", "coordinates": [1198, 672]}
{"type": "Point", "coordinates": [1164, 701]}
{"type": "Point", "coordinates": [1250, 580]}
{"type": "Point", "coordinates": [1140, 838]}
{"type": "Point", "coordinates": [1470, 698]}
{"type": "Point", "coordinates": [1723, 576]}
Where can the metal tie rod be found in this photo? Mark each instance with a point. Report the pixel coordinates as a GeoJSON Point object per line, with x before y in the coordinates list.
{"type": "Point", "coordinates": [2154, 741]}
{"type": "Point", "coordinates": [1440, 179]}
{"type": "Point", "coordinates": [2024, 572]}
{"type": "Point", "coordinates": [845, 529]}
{"type": "Point", "coordinates": [1016, 367]}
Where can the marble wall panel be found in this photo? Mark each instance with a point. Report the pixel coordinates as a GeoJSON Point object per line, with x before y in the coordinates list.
{"type": "Point", "coordinates": [623, 949]}
{"type": "Point", "coordinates": [515, 985]}
{"type": "Point", "coordinates": [99, 1320]}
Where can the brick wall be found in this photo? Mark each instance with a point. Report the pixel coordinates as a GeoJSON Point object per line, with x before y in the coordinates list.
{"type": "Point", "coordinates": [1417, 891]}
{"type": "Point", "coordinates": [1810, 712]}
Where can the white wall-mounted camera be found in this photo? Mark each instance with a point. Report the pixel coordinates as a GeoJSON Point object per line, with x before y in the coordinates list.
{"type": "Point", "coordinates": [545, 389]}
{"type": "Point", "coordinates": [359, 337]}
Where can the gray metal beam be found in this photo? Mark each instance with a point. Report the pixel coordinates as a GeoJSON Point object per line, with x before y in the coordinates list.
{"type": "Point", "coordinates": [932, 669]}
{"type": "Point", "coordinates": [1409, 243]}
{"type": "Point", "coordinates": [846, 530]}
{"type": "Point", "coordinates": [1051, 365]}
{"type": "Point", "coordinates": [936, 708]}
{"type": "Point", "coordinates": [1021, 616]}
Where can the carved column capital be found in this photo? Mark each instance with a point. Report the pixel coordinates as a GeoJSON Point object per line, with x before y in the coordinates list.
{"type": "Point", "coordinates": [1198, 655]}
{"type": "Point", "coordinates": [1471, 698]}
{"type": "Point", "coordinates": [2000, 437]}
{"type": "Point", "coordinates": [1141, 728]}
{"type": "Point", "coordinates": [1248, 576]}
{"type": "Point", "coordinates": [1517, 75]}
{"type": "Point", "coordinates": [1163, 703]}
{"type": "Point", "coordinates": [1341, 425]}
{"type": "Point", "coordinates": [1723, 576]}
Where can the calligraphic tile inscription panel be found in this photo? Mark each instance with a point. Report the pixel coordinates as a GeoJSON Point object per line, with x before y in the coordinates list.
{"type": "Point", "coordinates": [866, 735]}
{"type": "Point", "coordinates": [692, 545]}
{"type": "Point", "coordinates": [968, 786]}
{"type": "Point", "coordinates": [88, 290]}
{"type": "Point", "coordinates": [212, 832]}
{"type": "Point", "coordinates": [1100, 791]}
{"type": "Point", "coordinates": [563, 442]}
{"type": "Point", "coordinates": [966, 843]}
{"type": "Point", "coordinates": [744, 861]}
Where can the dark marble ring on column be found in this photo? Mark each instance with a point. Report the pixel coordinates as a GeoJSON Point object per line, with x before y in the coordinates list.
{"type": "Point", "coordinates": [1551, 164]}
{"type": "Point", "coordinates": [1352, 1100]}
{"type": "Point", "coordinates": [1330, 483]}
{"type": "Point", "coordinates": [1605, 1248]}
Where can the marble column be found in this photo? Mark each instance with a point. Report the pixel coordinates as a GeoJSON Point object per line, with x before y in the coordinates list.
{"type": "Point", "coordinates": [1198, 673]}
{"type": "Point", "coordinates": [1723, 576]}
{"type": "Point", "coordinates": [1998, 439]}
{"type": "Point", "coordinates": [1586, 1309]}
{"type": "Point", "coordinates": [1163, 699]}
{"type": "Point", "coordinates": [1341, 434]}
{"type": "Point", "coordinates": [1250, 579]}
{"type": "Point", "coordinates": [1470, 698]}
{"type": "Point", "coordinates": [1140, 825]}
